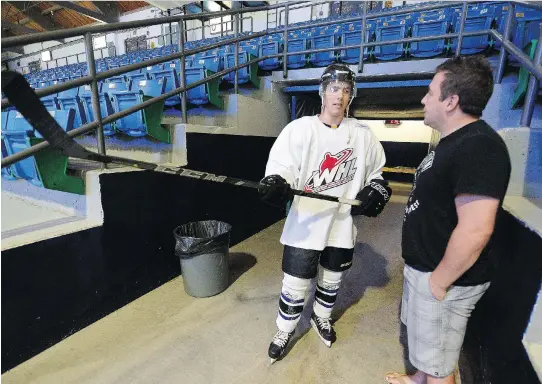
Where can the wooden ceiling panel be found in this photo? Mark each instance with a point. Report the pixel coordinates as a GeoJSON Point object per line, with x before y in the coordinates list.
{"type": "Point", "coordinates": [88, 5]}
{"type": "Point", "coordinates": [127, 6]}
{"type": "Point", "coordinates": [44, 5]}
{"type": "Point", "coordinates": [35, 26]}
{"type": "Point", "coordinates": [10, 13]}
{"type": "Point", "coordinates": [62, 17]}
{"type": "Point", "coordinates": [71, 19]}
{"type": "Point", "coordinates": [14, 16]}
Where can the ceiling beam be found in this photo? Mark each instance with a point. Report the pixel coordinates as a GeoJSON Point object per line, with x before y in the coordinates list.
{"type": "Point", "coordinates": [15, 29]}
{"type": "Point", "coordinates": [34, 13]}
{"type": "Point", "coordinates": [44, 12]}
{"type": "Point", "coordinates": [108, 8]}
{"type": "Point", "coordinates": [109, 18]}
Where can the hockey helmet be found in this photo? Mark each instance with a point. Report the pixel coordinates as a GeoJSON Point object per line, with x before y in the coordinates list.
{"type": "Point", "coordinates": [338, 72]}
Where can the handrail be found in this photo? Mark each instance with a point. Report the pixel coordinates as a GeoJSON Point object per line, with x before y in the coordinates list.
{"type": "Point", "coordinates": [128, 68]}
{"type": "Point", "coordinates": [90, 126]}
{"type": "Point", "coordinates": [534, 68]}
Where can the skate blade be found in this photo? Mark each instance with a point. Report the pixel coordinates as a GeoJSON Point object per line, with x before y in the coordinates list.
{"type": "Point", "coordinates": [326, 342]}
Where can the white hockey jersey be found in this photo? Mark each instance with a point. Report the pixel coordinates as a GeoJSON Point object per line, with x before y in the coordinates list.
{"type": "Point", "coordinates": [332, 161]}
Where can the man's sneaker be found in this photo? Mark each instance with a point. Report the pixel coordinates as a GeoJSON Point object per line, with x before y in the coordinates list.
{"type": "Point", "coordinates": [278, 344]}
{"type": "Point", "coordinates": [324, 329]}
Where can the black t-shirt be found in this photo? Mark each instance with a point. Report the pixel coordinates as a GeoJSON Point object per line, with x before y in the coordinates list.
{"type": "Point", "coordinates": [472, 160]}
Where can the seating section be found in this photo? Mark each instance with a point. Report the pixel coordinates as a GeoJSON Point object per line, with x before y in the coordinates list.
{"type": "Point", "coordinates": [338, 42]}
{"type": "Point", "coordinates": [17, 135]}
{"type": "Point", "coordinates": [412, 24]}
{"type": "Point", "coordinates": [332, 39]}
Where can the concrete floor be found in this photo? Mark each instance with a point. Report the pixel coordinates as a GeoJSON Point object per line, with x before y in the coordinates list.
{"type": "Point", "coordinates": [168, 336]}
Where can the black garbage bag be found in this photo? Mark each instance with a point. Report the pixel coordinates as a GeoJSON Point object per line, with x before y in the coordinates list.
{"type": "Point", "coordinates": [200, 237]}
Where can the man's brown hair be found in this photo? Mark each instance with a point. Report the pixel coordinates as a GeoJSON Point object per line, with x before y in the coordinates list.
{"type": "Point", "coordinates": [471, 79]}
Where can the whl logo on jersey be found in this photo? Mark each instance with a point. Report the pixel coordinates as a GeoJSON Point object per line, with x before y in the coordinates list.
{"type": "Point", "coordinates": [334, 170]}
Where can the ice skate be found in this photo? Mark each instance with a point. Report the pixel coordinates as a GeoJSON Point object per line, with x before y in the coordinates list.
{"type": "Point", "coordinates": [324, 329]}
{"type": "Point", "coordinates": [278, 345]}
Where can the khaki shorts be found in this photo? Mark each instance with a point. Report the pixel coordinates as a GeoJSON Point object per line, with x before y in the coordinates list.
{"type": "Point", "coordinates": [436, 328]}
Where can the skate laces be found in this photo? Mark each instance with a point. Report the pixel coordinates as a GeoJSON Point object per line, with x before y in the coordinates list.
{"type": "Point", "coordinates": [323, 323]}
{"type": "Point", "coordinates": [281, 338]}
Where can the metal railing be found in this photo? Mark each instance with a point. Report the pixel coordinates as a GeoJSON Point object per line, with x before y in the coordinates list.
{"type": "Point", "coordinates": [533, 67]}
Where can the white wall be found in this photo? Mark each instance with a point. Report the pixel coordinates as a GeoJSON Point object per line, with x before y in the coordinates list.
{"type": "Point", "coordinates": [259, 20]}
{"type": "Point", "coordinates": [410, 131]}
{"type": "Point", "coordinates": [144, 14]}
{"type": "Point", "coordinates": [194, 34]}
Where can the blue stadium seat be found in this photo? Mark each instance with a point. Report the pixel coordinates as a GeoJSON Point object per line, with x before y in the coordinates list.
{"type": "Point", "coordinates": [297, 61]}
{"type": "Point", "coordinates": [152, 68]}
{"type": "Point", "coordinates": [16, 138]}
{"type": "Point", "coordinates": [150, 87]}
{"type": "Point", "coordinates": [172, 83]}
{"type": "Point", "coordinates": [322, 59]}
{"type": "Point", "coordinates": [135, 77]}
{"type": "Point", "coordinates": [69, 99]}
{"type": "Point", "coordinates": [422, 28]}
{"type": "Point", "coordinates": [214, 63]}
{"type": "Point", "coordinates": [134, 123]}
{"type": "Point", "coordinates": [176, 64]}
{"type": "Point", "coordinates": [6, 172]}
{"type": "Point", "coordinates": [270, 48]}
{"type": "Point", "coordinates": [116, 79]}
{"type": "Point", "coordinates": [50, 102]}
{"type": "Point", "coordinates": [353, 37]}
{"type": "Point", "coordinates": [115, 87]}
{"type": "Point", "coordinates": [64, 118]}
{"type": "Point", "coordinates": [106, 108]}
{"type": "Point", "coordinates": [199, 94]}
{"type": "Point", "coordinates": [390, 30]}
{"type": "Point", "coordinates": [478, 19]}
{"type": "Point", "coordinates": [242, 74]}
{"type": "Point", "coordinates": [527, 26]}
{"type": "Point", "coordinates": [249, 47]}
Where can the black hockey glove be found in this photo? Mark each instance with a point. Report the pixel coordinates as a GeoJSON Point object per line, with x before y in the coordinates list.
{"type": "Point", "coordinates": [274, 190]}
{"type": "Point", "coordinates": [374, 197]}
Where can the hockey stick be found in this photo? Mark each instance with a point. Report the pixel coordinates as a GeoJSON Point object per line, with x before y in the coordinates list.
{"type": "Point", "coordinates": [21, 95]}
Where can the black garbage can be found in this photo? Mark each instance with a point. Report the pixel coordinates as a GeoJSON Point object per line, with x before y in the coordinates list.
{"type": "Point", "coordinates": [203, 249]}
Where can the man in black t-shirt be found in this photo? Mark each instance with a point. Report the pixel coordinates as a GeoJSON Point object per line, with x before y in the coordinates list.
{"type": "Point", "coordinates": [448, 231]}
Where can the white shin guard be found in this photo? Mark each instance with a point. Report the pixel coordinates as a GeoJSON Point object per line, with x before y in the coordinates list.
{"type": "Point", "coordinates": [291, 302]}
{"type": "Point", "coordinates": [326, 291]}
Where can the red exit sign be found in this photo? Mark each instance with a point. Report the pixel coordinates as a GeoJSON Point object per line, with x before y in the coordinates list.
{"type": "Point", "coordinates": [392, 123]}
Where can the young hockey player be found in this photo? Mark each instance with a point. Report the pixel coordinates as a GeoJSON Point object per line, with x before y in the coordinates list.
{"type": "Point", "coordinates": [333, 155]}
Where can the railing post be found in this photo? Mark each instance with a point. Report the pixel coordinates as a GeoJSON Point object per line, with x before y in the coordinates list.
{"type": "Point", "coordinates": [293, 108]}
{"type": "Point", "coordinates": [285, 57]}
{"type": "Point", "coordinates": [182, 74]}
{"type": "Point", "coordinates": [503, 55]}
{"type": "Point", "coordinates": [461, 29]}
{"type": "Point", "coordinates": [532, 89]}
{"type": "Point", "coordinates": [363, 32]}
{"type": "Point", "coordinates": [236, 55]}
{"type": "Point", "coordinates": [91, 65]}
